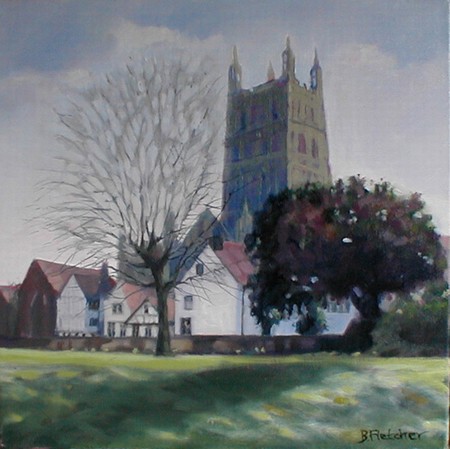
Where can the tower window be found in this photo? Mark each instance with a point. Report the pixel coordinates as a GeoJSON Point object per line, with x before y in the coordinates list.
{"type": "Point", "coordinates": [235, 154]}
{"type": "Point", "coordinates": [243, 120]}
{"type": "Point", "coordinates": [314, 150]}
{"type": "Point", "coordinates": [276, 144]}
{"type": "Point", "coordinates": [301, 144]}
{"type": "Point", "coordinates": [248, 150]}
{"type": "Point", "coordinates": [275, 114]}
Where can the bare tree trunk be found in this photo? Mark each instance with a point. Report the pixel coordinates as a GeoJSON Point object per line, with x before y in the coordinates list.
{"type": "Point", "coordinates": [163, 340]}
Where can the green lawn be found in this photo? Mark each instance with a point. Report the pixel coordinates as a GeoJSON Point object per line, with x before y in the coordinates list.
{"type": "Point", "coordinates": [110, 400]}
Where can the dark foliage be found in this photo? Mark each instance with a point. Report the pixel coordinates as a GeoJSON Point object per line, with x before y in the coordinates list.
{"type": "Point", "coordinates": [350, 239]}
{"type": "Point", "coordinates": [416, 326]}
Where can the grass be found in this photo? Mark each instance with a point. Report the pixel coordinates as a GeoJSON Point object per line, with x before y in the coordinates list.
{"type": "Point", "coordinates": [97, 400]}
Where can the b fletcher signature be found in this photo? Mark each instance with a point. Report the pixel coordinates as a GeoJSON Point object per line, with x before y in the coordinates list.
{"type": "Point", "coordinates": [378, 435]}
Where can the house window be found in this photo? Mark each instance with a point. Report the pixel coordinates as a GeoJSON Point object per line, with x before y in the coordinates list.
{"type": "Point", "coordinates": [117, 308]}
{"type": "Point", "coordinates": [148, 331]}
{"type": "Point", "coordinates": [123, 330]}
{"type": "Point", "coordinates": [146, 308]}
{"type": "Point", "coordinates": [188, 302]}
{"type": "Point", "coordinates": [135, 330]}
{"type": "Point", "coordinates": [185, 328]}
{"type": "Point", "coordinates": [94, 305]}
{"type": "Point", "coordinates": [111, 329]}
{"type": "Point", "coordinates": [199, 269]}
{"type": "Point", "coordinates": [93, 322]}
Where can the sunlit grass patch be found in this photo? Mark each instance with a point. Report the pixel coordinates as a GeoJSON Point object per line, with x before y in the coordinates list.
{"type": "Point", "coordinates": [202, 402]}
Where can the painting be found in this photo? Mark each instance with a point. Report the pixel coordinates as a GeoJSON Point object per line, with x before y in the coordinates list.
{"type": "Point", "coordinates": [225, 224]}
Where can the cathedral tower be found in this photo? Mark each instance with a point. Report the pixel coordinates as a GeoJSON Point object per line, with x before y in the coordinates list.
{"type": "Point", "coordinates": [275, 138]}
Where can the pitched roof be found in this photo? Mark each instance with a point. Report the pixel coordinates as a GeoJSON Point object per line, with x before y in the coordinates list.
{"type": "Point", "coordinates": [236, 261]}
{"type": "Point", "coordinates": [89, 279]}
{"type": "Point", "coordinates": [136, 295]}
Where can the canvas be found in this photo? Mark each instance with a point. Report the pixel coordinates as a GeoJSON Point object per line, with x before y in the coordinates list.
{"type": "Point", "coordinates": [224, 224]}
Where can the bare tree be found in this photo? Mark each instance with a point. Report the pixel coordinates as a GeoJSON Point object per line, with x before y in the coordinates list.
{"type": "Point", "coordinates": [138, 169]}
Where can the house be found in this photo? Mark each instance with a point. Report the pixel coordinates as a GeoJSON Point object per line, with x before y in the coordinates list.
{"type": "Point", "coordinates": [131, 311]}
{"type": "Point", "coordinates": [211, 298]}
{"type": "Point", "coordinates": [8, 309]}
{"type": "Point", "coordinates": [58, 299]}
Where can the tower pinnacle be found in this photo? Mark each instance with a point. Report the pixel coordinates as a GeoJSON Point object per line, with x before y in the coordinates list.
{"type": "Point", "coordinates": [270, 72]}
{"type": "Point", "coordinates": [234, 72]}
{"type": "Point", "coordinates": [288, 59]}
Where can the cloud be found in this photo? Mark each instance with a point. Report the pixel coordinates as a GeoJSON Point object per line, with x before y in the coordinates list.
{"type": "Point", "coordinates": [390, 121]}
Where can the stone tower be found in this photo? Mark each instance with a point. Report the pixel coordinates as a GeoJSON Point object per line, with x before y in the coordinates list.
{"type": "Point", "coordinates": [275, 138]}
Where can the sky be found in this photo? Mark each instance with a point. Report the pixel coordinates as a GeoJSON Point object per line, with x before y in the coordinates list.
{"type": "Point", "coordinates": [385, 75]}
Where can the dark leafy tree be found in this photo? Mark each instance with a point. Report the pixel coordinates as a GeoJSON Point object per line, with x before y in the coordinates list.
{"type": "Point", "coordinates": [348, 240]}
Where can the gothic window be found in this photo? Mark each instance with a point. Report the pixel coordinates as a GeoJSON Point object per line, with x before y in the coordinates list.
{"type": "Point", "coordinates": [264, 146]}
{"type": "Point", "coordinates": [298, 109]}
{"type": "Point", "coordinates": [235, 153]}
{"type": "Point", "coordinates": [301, 144]}
{"type": "Point", "coordinates": [275, 114]}
{"type": "Point", "coordinates": [312, 114]}
{"type": "Point", "coordinates": [243, 120]}
{"type": "Point", "coordinates": [257, 113]}
{"type": "Point", "coordinates": [248, 150]}
{"type": "Point", "coordinates": [314, 150]}
{"type": "Point", "coordinates": [276, 143]}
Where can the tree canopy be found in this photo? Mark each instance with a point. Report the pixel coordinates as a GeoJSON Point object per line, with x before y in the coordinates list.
{"type": "Point", "coordinates": [353, 239]}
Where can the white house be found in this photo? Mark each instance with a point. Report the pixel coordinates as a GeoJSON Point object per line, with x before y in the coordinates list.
{"type": "Point", "coordinates": [82, 292]}
{"type": "Point", "coordinates": [131, 311]}
{"type": "Point", "coordinates": [211, 298]}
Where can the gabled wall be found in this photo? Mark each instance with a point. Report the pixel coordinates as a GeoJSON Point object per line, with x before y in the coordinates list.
{"type": "Point", "coordinates": [219, 305]}
{"type": "Point", "coordinates": [71, 309]}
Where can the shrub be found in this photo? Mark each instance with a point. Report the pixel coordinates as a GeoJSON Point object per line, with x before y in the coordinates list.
{"type": "Point", "coordinates": [415, 327]}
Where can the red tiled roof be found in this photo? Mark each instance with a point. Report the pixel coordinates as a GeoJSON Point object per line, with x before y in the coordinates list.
{"type": "Point", "coordinates": [236, 261]}
{"type": "Point", "coordinates": [58, 274]}
{"type": "Point", "coordinates": [135, 296]}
